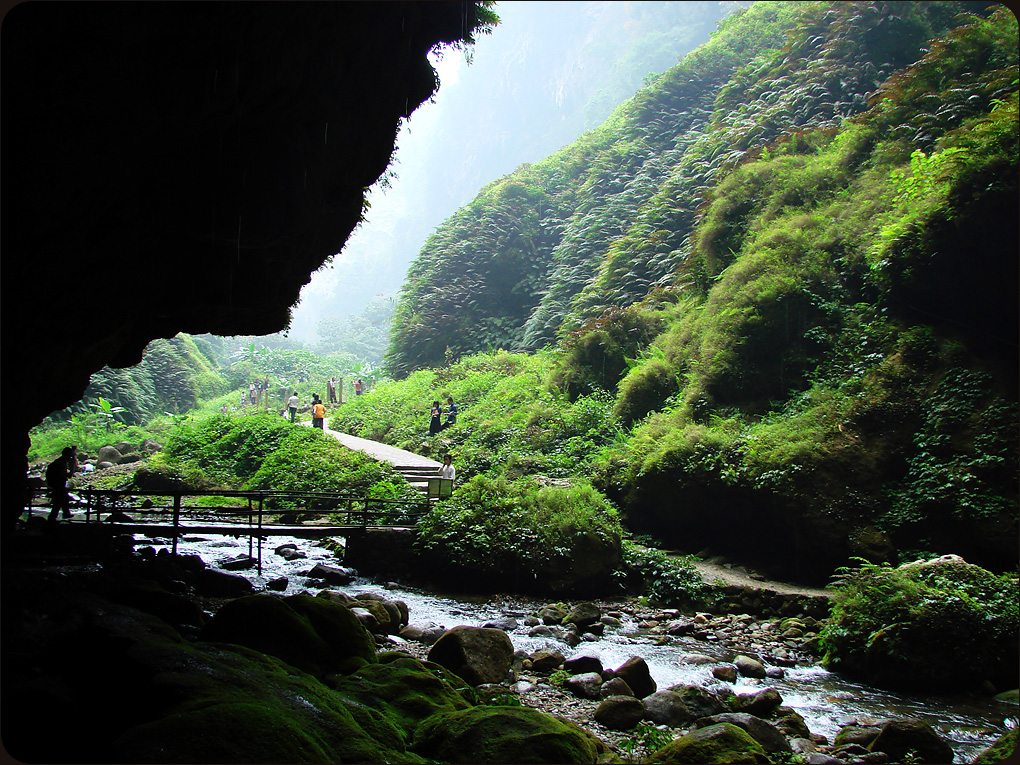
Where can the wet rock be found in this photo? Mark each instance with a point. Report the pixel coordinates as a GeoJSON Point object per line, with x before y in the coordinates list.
{"type": "Point", "coordinates": [290, 552]}
{"type": "Point", "coordinates": [727, 673]}
{"type": "Point", "coordinates": [546, 660]}
{"type": "Point", "coordinates": [240, 563]}
{"type": "Point", "coordinates": [761, 704]}
{"type": "Point", "coordinates": [504, 734]}
{"type": "Point", "coordinates": [586, 685]}
{"type": "Point", "coordinates": [278, 584]}
{"type": "Point", "coordinates": [697, 658]}
{"type": "Point", "coordinates": [666, 708]}
{"type": "Point", "coordinates": [507, 624]}
{"type": "Point", "coordinates": [855, 734]}
{"type": "Point", "coordinates": [791, 724]}
{"type": "Point", "coordinates": [552, 614]}
{"type": "Point", "coordinates": [615, 686]}
{"type": "Point", "coordinates": [702, 702]}
{"type": "Point", "coordinates": [422, 633]}
{"type": "Point", "coordinates": [766, 734]}
{"type": "Point", "coordinates": [636, 674]}
{"type": "Point", "coordinates": [583, 615]}
{"type": "Point", "coordinates": [333, 575]}
{"type": "Point", "coordinates": [619, 712]}
{"type": "Point", "coordinates": [583, 662]}
{"type": "Point", "coordinates": [219, 584]}
{"type": "Point", "coordinates": [749, 667]}
{"type": "Point", "coordinates": [715, 743]}
{"type": "Point", "coordinates": [898, 737]}
{"type": "Point", "coordinates": [476, 654]}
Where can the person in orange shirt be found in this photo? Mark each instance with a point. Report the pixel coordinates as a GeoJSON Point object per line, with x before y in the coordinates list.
{"type": "Point", "coordinates": [318, 414]}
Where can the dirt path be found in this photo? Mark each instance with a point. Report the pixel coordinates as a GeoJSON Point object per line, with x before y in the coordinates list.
{"type": "Point", "coordinates": [716, 570]}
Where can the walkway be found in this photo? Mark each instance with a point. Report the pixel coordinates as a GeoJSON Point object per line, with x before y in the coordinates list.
{"type": "Point", "coordinates": [416, 468]}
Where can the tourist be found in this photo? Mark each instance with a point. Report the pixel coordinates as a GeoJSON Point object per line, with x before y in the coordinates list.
{"type": "Point", "coordinates": [57, 474]}
{"type": "Point", "coordinates": [318, 414]}
{"type": "Point", "coordinates": [358, 385]}
{"type": "Point", "coordinates": [435, 423]}
{"type": "Point", "coordinates": [451, 413]}
{"type": "Point", "coordinates": [292, 403]}
{"type": "Point", "coordinates": [448, 471]}
{"type": "Point", "coordinates": [331, 389]}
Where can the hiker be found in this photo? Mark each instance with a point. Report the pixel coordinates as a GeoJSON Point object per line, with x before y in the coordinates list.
{"type": "Point", "coordinates": [292, 403]}
{"type": "Point", "coordinates": [358, 385]}
{"type": "Point", "coordinates": [448, 471]}
{"type": "Point", "coordinates": [318, 414]}
{"type": "Point", "coordinates": [57, 474]}
{"type": "Point", "coordinates": [331, 389]}
{"type": "Point", "coordinates": [435, 424]}
{"type": "Point", "coordinates": [451, 413]}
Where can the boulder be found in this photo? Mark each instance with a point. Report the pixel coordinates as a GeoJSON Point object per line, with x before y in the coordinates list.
{"type": "Point", "coordinates": [553, 614]}
{"type": "Point", "coordinates": [766, 734]}
{"type": "Point", "coordinates": [334, 575]}
{"type": "Point", "coordinates": [422, 633]}
{"type": "Point", "coordinates": [615, 686]}
{"type": "Point", "coordinates": [636, 674]}
{"type": "Point", "coordinates": [619, 712]}
{"type": "Point", "coordinates": [855, 734]}
{"type": "Point", "coordinates": [108, 454]}
{"type": "Point", "coordinates": [725, 672]}
{"type": "Point", "coordinates": [477, 654]}
{"type": "Point", "coordinates": [124, 447]}
{"type": "Point", "coordinates": [127, 459]}
{"type": "Point", "coordinates": [697, 658]}
{"type": "Point", "coordinates": [219, 584]}
{"type": "Point", "coordinates": [666, 708]}
{"type": "Point", "coordinates": [1000, 751]}
{"type": "Point", "coordinates": [583, 662]}
{"type": "Point", "coordinates": [898, 737]}
{"type": "Point", "coordinates": [278, 584]}
{"type": "Point", "coordinates": [507, 624]}
{"type": "Point", "coordinates": [290, 552]}
{"type": "Point", "coordinates": [148, 446]}
{"type": "Point", "coordinates": [790, 723]}
{"type": "Point", "coordinates": [586, 685]}
{"type": "Point", "coordinates": [702, 702]}
{"type": "Point", "coordinates": [309, 633]}
{"type": "Point", "coordinates": [761, 704]}
{"type": "Point", "coordinates": [583, 615]}
{"type": "Point", "coordinates": [716, 743]}
{"type": "Point", "coordinates": [749, 667]}
{"type": "Point", "coordinates": [546, 660]}
{"type": "Point", "coordinates": [502, 734]}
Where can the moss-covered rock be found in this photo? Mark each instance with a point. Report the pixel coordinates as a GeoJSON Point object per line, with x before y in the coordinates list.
{"type": "Point", "coordinates": [722, 743]}
{"type": "Point", "coordinates": [502, 735]}
{"type": "Point", "coordinates": [406, 690]}
{"type": "Point", "coordinates": [312, 634]}
{"type": "Point", "coordinates": [1003, 747]}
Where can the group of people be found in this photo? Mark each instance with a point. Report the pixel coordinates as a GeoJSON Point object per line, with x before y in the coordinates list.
{"type": "Point", "coordinates": [436, 423]}
{"type": "Point", "coordinates": [257, 393]}
{"type": "Point", "coordinates": [331, 388]}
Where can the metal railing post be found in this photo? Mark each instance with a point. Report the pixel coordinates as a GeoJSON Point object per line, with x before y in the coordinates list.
{"type": "Point", "coordinates": [261, 500]}
{"type": "Point", "coordinates": [177, 519]}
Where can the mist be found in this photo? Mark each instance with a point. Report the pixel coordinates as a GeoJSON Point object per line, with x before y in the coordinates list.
{"type": "Point", "coordinates": [549, 72]}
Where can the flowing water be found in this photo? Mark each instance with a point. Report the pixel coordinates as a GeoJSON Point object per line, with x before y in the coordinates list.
{"type": "Point", "coordinates": [826, 700]}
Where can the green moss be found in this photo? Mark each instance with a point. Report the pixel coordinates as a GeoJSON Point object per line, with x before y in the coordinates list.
{"type": "Point", "coordinates": [722, 743]}
{"type": "Point", "coordinates": [310, 633]}
{"type": "Point", "coordinates": [1002, 749]}
{"type": "Point", "coordinates": [502, 735]}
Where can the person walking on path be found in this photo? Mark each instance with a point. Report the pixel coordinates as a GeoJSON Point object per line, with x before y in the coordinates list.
{"type": "Point", "coordinates": [57, 474]}
{"type": "Point", "coordinates": [435, 423]}
{"type": "Point", "coordinates": [292, 403]}
{"type": "Point", "coordinates": [451, 413]}
{"type": "Point", "coordinates": [318, 414]}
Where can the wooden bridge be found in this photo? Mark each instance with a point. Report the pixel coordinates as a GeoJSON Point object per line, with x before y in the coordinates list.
{"type": "Point", "coordinates": [262, 514]}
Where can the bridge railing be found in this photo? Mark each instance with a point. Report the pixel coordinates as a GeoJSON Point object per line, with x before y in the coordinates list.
{"type": "Point", "coordinates": [256, 514]}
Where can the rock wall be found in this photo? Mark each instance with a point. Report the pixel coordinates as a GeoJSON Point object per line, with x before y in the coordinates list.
{"type": "Point", "coordinates": [174, 167]}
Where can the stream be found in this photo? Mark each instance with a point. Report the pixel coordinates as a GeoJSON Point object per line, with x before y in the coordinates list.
{"type": "Point", "coordinates": [824, 699]}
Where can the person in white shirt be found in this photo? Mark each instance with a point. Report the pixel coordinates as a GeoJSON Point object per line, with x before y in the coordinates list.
{"type": "Point", "coordinates": [448, 470]}
{"type": "Point", "coordinates": [292, 404]}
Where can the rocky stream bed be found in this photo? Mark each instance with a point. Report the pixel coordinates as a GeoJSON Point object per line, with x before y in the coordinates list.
{"type": "Point", "coordinates": [632, 675]}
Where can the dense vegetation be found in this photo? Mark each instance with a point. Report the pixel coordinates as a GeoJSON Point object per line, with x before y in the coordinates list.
{"type": "Point", "coordinates": [932, 626]}
{"type": "Point", "coordinates": [789, 263]}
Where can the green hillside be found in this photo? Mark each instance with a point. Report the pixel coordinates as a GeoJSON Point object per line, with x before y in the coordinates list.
{"type": "Point", "coordinates": [791, 261]}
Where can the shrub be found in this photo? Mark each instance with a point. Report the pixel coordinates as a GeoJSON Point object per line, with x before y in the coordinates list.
{"type": "Point", "coordinates": [549, 538]}
{"type": "Point", "coordinates": [943, 625]}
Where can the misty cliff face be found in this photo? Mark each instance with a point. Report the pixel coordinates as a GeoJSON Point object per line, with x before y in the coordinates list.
{"type": "Point", "coordinates": [184, 167]}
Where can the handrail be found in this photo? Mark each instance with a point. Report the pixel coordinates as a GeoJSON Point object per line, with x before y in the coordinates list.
{"type": "Point", "coordinates": [256, 514]}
